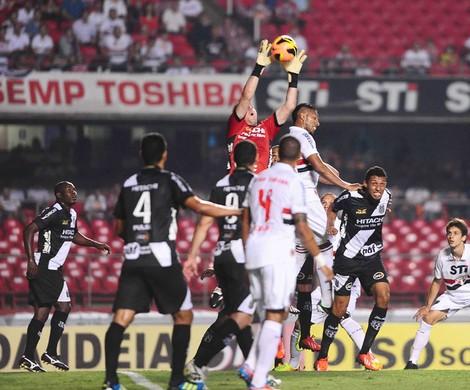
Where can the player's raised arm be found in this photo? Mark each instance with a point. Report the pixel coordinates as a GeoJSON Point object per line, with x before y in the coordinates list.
{"type": "Point", "coordinates": [293, 69]}
{"type": "Point", "coordinates": [263, 60]}
{"type": "Point", "coordinates": [205, 207]}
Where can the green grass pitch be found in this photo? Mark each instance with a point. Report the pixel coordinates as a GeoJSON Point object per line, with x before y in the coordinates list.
{"type": "Point", "coordinates": [227, 380]}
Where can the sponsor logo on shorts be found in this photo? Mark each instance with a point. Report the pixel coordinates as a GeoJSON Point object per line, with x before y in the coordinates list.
{"type": "Point", "coordinates": [300, 276]}
{"type": "Point", "coordinates": [378, 275]}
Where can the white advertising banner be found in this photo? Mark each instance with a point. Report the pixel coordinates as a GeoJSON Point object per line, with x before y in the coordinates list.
{"type": "Point", "coordinates": [141, 95]}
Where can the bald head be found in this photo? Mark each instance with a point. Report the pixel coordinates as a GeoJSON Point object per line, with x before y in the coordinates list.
{"type": "Point", "coordinates": [289, 149]}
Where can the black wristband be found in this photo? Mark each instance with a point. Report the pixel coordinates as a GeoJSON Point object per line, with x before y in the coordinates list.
{"type": "Point", "coordinates": [257, 70]}
{"type": "Point", "coordinates": [293, 79]}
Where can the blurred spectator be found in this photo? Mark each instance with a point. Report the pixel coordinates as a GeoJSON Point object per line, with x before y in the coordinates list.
{"type": "Point", "coordinates": [299, 39]}
{"type": "Point", "coordinates": [156, 53]}
{"type": "Point", "coordinates": [449, 59]}
{"type": "Point", "coordinates": [416, 196]}
{"type": "Point", "coordinates": [200, 34]}
{"type": "Point", "coordinates": [38, 195]}
{"type": "Point", "coordinates": [34, 25]}
{"type": "Point", "coordinates": [134, 12]}
{"type": "Point", "coordinates": [116, 46]}
{"type": "Point", "coordinates": [10, 24]}
{"type": "Point", "coordinates": [149, 18]}
{"type": "Point", "coordinates": [68, 53]}
{"type": "Point", "coordinates": [177, 68]}
{"type": "Point", "coordinates": [4, 51]}
{"type": "Point", "coordinates": [118, 5]}
{"type": "Point", "coordinates": [173, 20]}
{"type": "Point", "coordinates": [259, 10]}
{"type": "Point", "coordinates": [363, 68]}
{"type": "Point", "coordinates": [95, 206]}
{"type": "Point", "coordinates": [432, 50]}
{"type": "Point", "coordinates": [416, 60]}
{"type": "Point", "coordinates": [466, 54]}
{"type": "Point", "coordinates": [26, 13]}
{"type": "Point", "coordinates": [9, 204]}
{"type": "Point", "coordinates": [433, 208]}
{"type": "Point", "coordinates": [217, 46]}
{"type": "Point", "coordinates": [191, 9]}
{"type": "Point", "coordinates": [42, 46]}
{"type": "Point", "coordinates": [203, 67]}
{"type": "Point", "coordinates": [345, 61]}
{"type": "Point", "coordinates": [50, 11]}
{"type": "Point", "coordinates": [96, 17]}
{"type": "Point", "coordinates": [84, 30]}
{"type": "Point", "coordinates": [72, 9]}
{"type": "Point", "coordinates": [112, 21]}
{"type": "Point", "coordinates": [302, 5]}
{"type": "Point", "coordinates": [286, 12]}
{"type": "Point", "coordinates": [18, 46]}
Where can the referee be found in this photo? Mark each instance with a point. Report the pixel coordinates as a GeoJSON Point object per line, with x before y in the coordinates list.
{"type": "Point", "coordinates": [57, 227]}
{"type": "Point", "coordinates": [146, 214]}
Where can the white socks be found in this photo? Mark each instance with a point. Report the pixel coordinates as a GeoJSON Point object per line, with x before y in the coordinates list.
{"type": "Point", "coordinates": [421, 339]}
{"type": "Point", "coordinates": [251, 359]}
{"type": "Point", "coordinates": [294, 353]}
{"type": "Point", "coordinates": [325, 285]}
{"type": "Point", "coordinates": [354, 330]}
{"type": "Point", "coordinates": [269, 337]}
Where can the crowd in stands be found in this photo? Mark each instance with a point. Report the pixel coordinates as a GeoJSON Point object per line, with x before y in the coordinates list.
{"type": "Point", "coordinates": [189, 36]}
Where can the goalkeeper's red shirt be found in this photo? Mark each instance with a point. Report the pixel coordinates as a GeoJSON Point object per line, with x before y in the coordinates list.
{"type": "Point", "coordinates": [262, 135]}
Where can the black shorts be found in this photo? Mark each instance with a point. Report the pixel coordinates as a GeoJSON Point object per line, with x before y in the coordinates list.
{"type": "Point", "coordinates": [45, 289]}
{"type": "Point", "coordinates": [305, 275]}
{"type": "Point", "coordinates": [233, 280]}
{"type": "Point", "coordinates": [138, 285]}
{"type": "Point", "coordinates": [368, 271]}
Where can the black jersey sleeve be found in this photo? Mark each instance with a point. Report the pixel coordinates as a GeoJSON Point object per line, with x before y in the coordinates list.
{"type": "Point", "coordinates": [341, 202]}
{"type": "Point", "coordinates": [119, 208]}
{"type": "Point", "coordinates": [215, 196]}
{"type": "Point", "coordinates": [47, 218]}
{"type": "Point", "coordinates": [180, 189]}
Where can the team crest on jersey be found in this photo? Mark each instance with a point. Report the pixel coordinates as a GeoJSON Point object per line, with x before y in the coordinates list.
{"type": "Point", "coordinates": [382, 209]}
{"type": "Point", "coordinates": [378, 276]}
{"type": "Point", "coordinates": [361, 211]}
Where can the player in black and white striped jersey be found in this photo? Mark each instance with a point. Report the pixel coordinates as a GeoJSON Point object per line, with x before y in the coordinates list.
{"type": "Point", "coordinates": [57, 228]}
{"type": "Point", "coordinates": [358, 257]}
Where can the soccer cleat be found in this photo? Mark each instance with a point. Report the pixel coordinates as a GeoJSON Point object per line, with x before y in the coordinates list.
{"type": "Point", "coordinates": [321, 364]}
{"type": "Point", "coordinates": [30, 365]}
{"type": "Point", "coordinates": [285, 367]}
{"type": "Point", "coordinates": [365, 360]}
{"type": "Point", "coordinates": [265, 387]}
{"type": "Point", "coordinates": [111, 386]}
{"type": "Point", "coordinates": [55, 361]}
{"type": "Point", "coordinates": [309, 343]}
{"type": "Point", "coordinates": [187, 385]}
{"type": "Point", "coordinates": [195, 374]}
{"type": "Point", "coordinates": [411, 366]}
{"type": "Point", "coordinates": [375, 361]}
{"type": "Point", "coordinates": [245, 373]}
{"type": "Point", "coordinates": [273, 382]}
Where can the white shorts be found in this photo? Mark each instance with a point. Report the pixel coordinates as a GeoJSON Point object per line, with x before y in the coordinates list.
{"type": "Point", "coordinates": [318, 316]}
{"type": "Point", "coordinates": [451, 303]}
{"type": "Point", "coordinates": [273, 286]}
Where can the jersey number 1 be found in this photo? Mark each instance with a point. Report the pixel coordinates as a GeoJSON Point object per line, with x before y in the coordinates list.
{"type": "Point", "coordinates": [142, 208]}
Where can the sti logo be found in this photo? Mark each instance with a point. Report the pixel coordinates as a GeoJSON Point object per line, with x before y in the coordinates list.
{"type": "Point", "coordinates": [391, 96]}
{"type": "Point", "coordinates": [316, 92]}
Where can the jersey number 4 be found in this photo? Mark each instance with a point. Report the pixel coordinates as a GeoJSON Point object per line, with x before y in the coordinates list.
{"type": "Point", "coordinates": [142, 208]}
{"type": "Point", "coordinates": [265, 203]}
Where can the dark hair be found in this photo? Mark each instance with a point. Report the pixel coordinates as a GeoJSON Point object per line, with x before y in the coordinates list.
{"type": "Point", "coordinates": [59, 188]}
{"type": "Point", "coordinates": [152, 148]}
{"type": "Point", "coordinates": [459, 224]}
{"type": "Point", "coordinates": [299, 107]}
{"type": "Point", "coordinates": [375, 171]}
{"type": "Point", "coordinates": [245, 153]}
{"type": "Point", "coordinates": [289, 148]}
